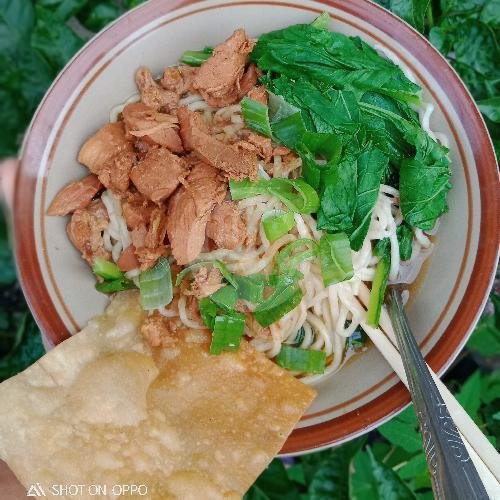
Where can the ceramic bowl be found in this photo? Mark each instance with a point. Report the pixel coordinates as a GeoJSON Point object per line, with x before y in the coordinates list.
{"type": "Point", "coordinates": [59, 286]}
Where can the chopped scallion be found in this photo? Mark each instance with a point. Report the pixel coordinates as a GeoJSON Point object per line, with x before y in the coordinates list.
{"type": "Point", "coordinates": [301, 360]}
{"type": "Point", "coordinates": [155, 286]}
{"type": "Point", "coordinates": [225, 297]}
{"type": "Point", "coordinates": [277, 223]}
{"type": "Point", "coordinates": [208, 312]}
{"type": "Point", "coordinates": [251, 287]}
{"type": "Point", "coordinates": [226, 273]}
{"type": "Point", "coordinates": [289, 258]}
{"type": "Point", "coordinates": [106, 269]}
{"type": "Point", "coordinates": [196, 57]}
{"type": "Point", "coordinates": [113, 286]}
{"type": "Point", "coordinates": [256, 116]}
{"type": "Point", "coordinates": [227, 332]}
{"type": "Point", "coordinates": [335, 258]}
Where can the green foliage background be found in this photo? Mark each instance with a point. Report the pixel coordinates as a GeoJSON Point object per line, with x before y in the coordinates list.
{"type": "Point", "coordinates": [37, 37]}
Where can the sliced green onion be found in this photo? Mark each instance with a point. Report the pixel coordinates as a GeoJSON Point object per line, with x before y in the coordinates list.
{"type": "Point", "coordinates": [251, 287]}
{"type": "Point", "coordinates": [287, 258]}
{"type": "Point", "coordinates": [301, 360]}
{"type": "Point", "coordinates": [225, 297]}
{"type": "Point", "coordinates": [335, 258]}
{"type": "Point", "coordinates": [285, 297]}
{"type": "Point", "coordinates": [106, 269]}
{"type": "Point", "coordinates": [322, 22]}
{"type": "Point", "coordinates": [227, 332]}
{"type": "Point", "coordinates": [208, 312]}
{"type": "Point", "coordinates": [290, 276]}
{"type": "Point", "coordinates": [276, 223]}
{"type": "Point", "coordinates": [155, 286]}
{"type": "Point", "coordinates": [113, 286]}
{"type": "Point", "coordinates": [246, 188]}
{"type": "Point", "coordinates": [226, 273]}
{"type": "Point", "coordinates": [296, 194]}
{"type": "Point", "coordinates": [196, 57]}
{"type": "Point", "coordinates": [256, 116]}
{"type": "Point", "coordinates": [379, 283]}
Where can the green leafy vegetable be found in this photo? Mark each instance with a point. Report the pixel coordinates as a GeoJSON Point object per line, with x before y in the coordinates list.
{"type": "Point", "coordinates": [155, 286]}
{"type": "Point", "coordinates": [301, 360]}
{"type": "Point", "coordinates": [114, 285]}
{"type": "Point", "coordinates": [286, 296]}
{"type": "Point", "coordinates": [277, 223]}
{"type": "Point", "coordinates": [335, 258]}
{"type": "Point", "coordinates": [256, 116]}
{"type": "Point", "coordinates": [404, 233]}
{"type": "Point", "coordinates": [227, 332]}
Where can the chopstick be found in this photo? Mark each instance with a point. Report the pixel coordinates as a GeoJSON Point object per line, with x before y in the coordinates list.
{"type": "Point", "coordinates": [481, 451]}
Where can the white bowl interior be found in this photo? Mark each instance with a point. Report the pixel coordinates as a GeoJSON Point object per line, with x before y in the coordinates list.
{"type": "Point", "coordinates": [158, 45]}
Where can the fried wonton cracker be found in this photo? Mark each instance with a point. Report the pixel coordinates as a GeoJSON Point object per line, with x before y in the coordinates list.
{"type": "Point", "coordinates": [101, 408]}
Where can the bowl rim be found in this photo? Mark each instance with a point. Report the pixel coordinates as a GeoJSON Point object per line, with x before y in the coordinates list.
{"type": "Point", "coordinates": [372, 414]}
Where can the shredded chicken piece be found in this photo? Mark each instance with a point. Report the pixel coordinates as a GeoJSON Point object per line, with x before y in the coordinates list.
{"type": "Point", "coordinates": [127, 260]}
{"type": "Point", "coordinates": [157, 229]}
{"type": "Point", "coordinates": [219, 78]}
{"type": "Point", "coordinates": [259, 145]}
{"type": "Point", "coordinates": [178, 79]}
{"type": "Point", "coordinates": [75, 195]}
{"type": "Point", "coordinates": [151, 127]}
{"type": "Point", "coordinates": [110, 156]}
{"type": "Point", "coordinates": [281, 150]}
{"type": "Point", "coordinates": [85, 231]}
{"type": "Point", "coordinates": [235, 161]}
{"type": "Point", "coordinates": [206, 282]}
{"type": "Point", "coordinates": [152, 94]}
{"type": "Point", "coordinates": [148, 257]}
{"type": "Point", "coordinates": [136, 209]}
{"type": "Point", "coordinates": [259, 94]}
{"type": "Point", "coordinates": [189, 210]}
{"type": "Point", "coordinates": [226, 226]}
{"type": "Point", "coordinates": [157, 331]}
{"type": "Point", "coordinates": [248, 80]}
{"type": "Point", "coordinates": [158, 174]}
{"type": "Point", "coordinates": [138, 236]}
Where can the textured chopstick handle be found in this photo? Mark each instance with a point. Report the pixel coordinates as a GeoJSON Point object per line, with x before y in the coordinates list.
{"type": "Point", "coordinates": [453, 474]}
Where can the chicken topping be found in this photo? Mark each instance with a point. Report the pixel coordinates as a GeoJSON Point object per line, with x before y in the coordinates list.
{"type": "Point", "coordinates": [148, 257]}
{"type": "Point", "coordinates": [110, 156]}
{"type": "Point", "coordinates": [151, 127]}
{"type": "Point", "coordinates": [235, 161]}
{"type": "Point", "coordinates": [157, 229]}
{"type": "Point", "coordinates": [258, 144]}
{"type": "Point", "coordinates": [258, 94]}
{"type": "Point", "coordinates": [158, 174]}
{"type": "Point", "coordinates": [226, 227]}
{"type": "Point", "coordinates": [127, 260]}
{"type": "Point", "coordinates": [218, 78]}
{"type": "Point", "coordinates": [136, 210]}
{"type": "Point", "coordinates": [189, 210]}
{"type": "Point", "coordinates": [178, 79]}
{"type": "Point", "coordinates": [206, 282]}
{"type": "Point", "coordinates": [85, 231]}
{"type": "Point", "coordinates": [157, 330]}
{"type": "Point", "coordinates": [75, 195]}
{"type": "Point", "coordinates": [152, 94]}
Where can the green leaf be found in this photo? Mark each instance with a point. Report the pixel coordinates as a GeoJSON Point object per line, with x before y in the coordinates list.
{"type": "Point", "coordinates": [371, 166]}
{"type": "Point", "coordinates": [404, 232]}
{"type": "Point", "coordinates": [273, 484]}
{"type": "Point", "coordinates": [56, 41]}
{"type": "Point", "coordinates": [468, 396]}
{"type": "Point", "coordinates": [486, 337]}
{"type": "Point", "coordinates": [101, 15]}
{"type": "Point", "coordinates": [491, 108]}
{"type": "Point", "coordinates": [372, 480]}
{"type": "Point", "coordinates": [330, 481]}
{"type": "Point", "coordinates": [412, 11]}
{"type": "Point", "coordinates": [402, 431]}
{"type": "Point", "coordinates": [415, 471]}
{"type": "Point", "coordinates": [17, 19]}
{"type": "Point", "coordinates": [27, 349]}
{"type": "Point", "coordinates": [7, 267]}
{"type": "Point", "coordinates": [490, 387]}
{"type": "Point", "coordinates": [63, 9]}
